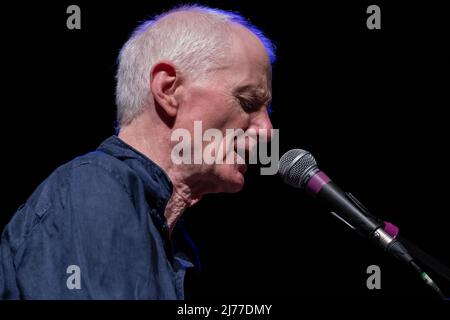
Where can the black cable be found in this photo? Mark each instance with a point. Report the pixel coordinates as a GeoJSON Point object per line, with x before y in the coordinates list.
{"type": "Point", "coordinates": [425, 259]}
{"type": "Point", "coordinates": [428, 280]}
{"type": "Point", "coordinates": [401, 253]}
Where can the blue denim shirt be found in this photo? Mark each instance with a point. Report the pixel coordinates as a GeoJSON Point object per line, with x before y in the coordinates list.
{"type": "Point", "coordinates": [95, 229]}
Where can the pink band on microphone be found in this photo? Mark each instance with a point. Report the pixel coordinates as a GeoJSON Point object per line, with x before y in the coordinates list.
{"type": "Point", "coordinates": [391, 229]}
{"type": "Point", "coordinates": [316, 183]}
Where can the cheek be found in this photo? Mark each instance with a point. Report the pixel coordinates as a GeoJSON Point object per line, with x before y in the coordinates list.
{"type": "Point", "coordinates": [224, 114]}
{"type": "Point", "coordinates": [215, 110]}
{"type": "Point", "coordinates": [234, 117]}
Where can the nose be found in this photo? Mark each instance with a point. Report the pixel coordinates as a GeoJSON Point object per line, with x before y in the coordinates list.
{"type": "Point", "coordinates": [262, 125]}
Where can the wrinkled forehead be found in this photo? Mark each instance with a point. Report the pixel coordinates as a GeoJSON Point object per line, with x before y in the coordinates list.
{"type": "Point", "coordinates": [249, 61]}
{"type": "Point", "coordinates": [246, 45]}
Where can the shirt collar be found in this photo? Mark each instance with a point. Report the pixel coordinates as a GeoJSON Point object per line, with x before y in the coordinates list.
{"type": "Point", "coordinates": [157, 185]}
{"type": "Point", "coordinates": [158, 188]}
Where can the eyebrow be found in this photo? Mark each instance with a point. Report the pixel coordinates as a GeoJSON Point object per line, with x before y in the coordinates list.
{"type": "Point", "coordinates": [253, 93]}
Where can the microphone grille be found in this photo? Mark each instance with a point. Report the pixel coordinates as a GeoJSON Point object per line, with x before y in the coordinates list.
{"type": "Point", "coordinates": [295, 165]}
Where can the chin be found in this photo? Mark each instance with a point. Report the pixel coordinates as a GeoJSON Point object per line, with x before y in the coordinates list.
{"type": "Point", "coordinates": [231, 183]}
{"type": "Point", "coordinates": [236, 187]}
{"type": "Point", "coordinates": [235, 184]}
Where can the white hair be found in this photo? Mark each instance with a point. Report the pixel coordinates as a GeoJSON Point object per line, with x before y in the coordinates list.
{"type": "Point", "coordinates": [194, 38]}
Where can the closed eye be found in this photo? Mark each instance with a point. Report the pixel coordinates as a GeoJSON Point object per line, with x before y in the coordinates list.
{"type": "Point", "coordinates": [247, 105]}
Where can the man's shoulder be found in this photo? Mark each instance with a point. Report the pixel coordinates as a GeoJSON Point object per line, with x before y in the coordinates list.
{"type": "Point", "coordinates": [83, 214]}
{"type": "Point", "coordinates": [100, 163]}
{"type": "Point", "coordinates": [95, 172]}
{"type": "Point", "coordinates": [96, 160]}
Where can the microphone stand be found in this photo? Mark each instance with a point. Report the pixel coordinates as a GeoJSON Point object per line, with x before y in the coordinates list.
{"type": "Point", "coordinates": [389, 242]}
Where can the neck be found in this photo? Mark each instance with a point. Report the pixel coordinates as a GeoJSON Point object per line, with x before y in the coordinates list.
{"type": "Point", "coordinates": [150, 140]}
{"type": "Point", "coordinates": [176, 206]}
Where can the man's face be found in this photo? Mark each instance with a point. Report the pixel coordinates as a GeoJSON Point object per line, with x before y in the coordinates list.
{"type": "Point", "coordinates": [234, 97]}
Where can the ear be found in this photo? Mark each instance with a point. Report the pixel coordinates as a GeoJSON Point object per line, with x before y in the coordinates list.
{"type": "Point", "coordinates": [164, 81]}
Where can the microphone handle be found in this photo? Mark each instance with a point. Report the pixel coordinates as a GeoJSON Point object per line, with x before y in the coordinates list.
{"type": "Point", "coordinates": [337, 201]}
{"type": "Point", "coordinates": [355, 214]}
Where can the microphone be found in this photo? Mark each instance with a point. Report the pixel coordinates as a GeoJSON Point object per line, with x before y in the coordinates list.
{"type": "Point", "coordinates": [299, 169]}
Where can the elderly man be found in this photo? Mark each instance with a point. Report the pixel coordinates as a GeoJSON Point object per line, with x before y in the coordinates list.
{"type": "Point", "coordinates": [104, 226]}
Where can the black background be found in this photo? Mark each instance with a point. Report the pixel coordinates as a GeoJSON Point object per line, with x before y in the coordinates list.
{"type": "Point", "coordinates": [369, 104]}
